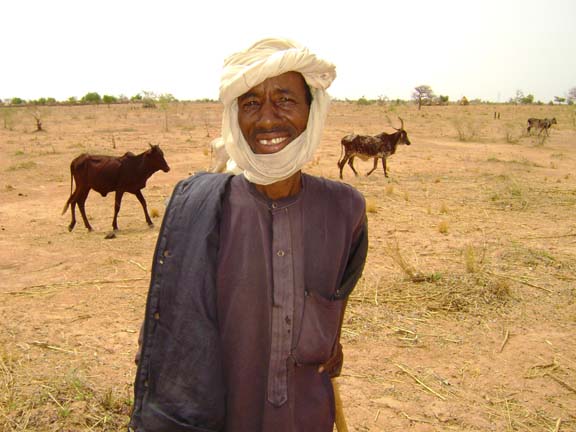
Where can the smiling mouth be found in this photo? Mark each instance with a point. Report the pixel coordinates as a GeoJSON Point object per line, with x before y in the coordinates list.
{"type": "Point", "coordinates": [271, 142]}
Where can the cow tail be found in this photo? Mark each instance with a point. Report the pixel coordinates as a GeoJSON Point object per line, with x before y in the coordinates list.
{"type": "Point", "coordinates": [71, 186]}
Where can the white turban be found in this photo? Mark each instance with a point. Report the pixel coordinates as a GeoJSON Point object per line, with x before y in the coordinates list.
{"type": "Point", "coordinates": [245, 70]}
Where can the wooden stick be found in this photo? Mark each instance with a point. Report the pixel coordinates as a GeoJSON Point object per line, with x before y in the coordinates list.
{"type": "Point", "coordinates": [341, 425]}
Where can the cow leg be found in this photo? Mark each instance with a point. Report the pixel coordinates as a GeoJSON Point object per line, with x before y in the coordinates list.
{"type": "Point", "coordinates": [384, 166]}
{"type": "Point", "coordinates": [375, 165]}
{"type": "Point", "coordinates": [117, 203]}
{"type": "Point", "coordinates": [73, 211]}
{"type": "Point", "coordinates": [341, 165]}
{"type": "Point", "coordinates": [351, 163]}
{"type": "Point", "coordinates": [143, 202]}
{"type": "Point", "coordinates": [82, 195]}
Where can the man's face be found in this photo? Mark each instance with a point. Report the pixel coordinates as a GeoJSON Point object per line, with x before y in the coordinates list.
{"type": "Point", "coordinates": [274, 113]}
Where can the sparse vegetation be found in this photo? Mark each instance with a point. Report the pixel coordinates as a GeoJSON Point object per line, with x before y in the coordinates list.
{"type": "Point", "coordinates": [22, 166]}
{"type": "Point", "coordinates": [7, 115]}
{"type": "Point", "coordinates": [371, 206]}
{"type": "Point", "coordinates": [430, 310]}
{"type": "Point", "coordinates": [467, 128]}
{"type": "Point", "coordinates": [443, 227]}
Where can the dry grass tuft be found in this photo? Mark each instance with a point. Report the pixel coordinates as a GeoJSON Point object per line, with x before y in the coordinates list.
{"type": "Point", "coordinates": [510, 194]}
{"type": "Point", "coordinates": [443, 227]}
{"type": "Point", "coordinates": [476, 294]}
{"type": "Point", "coordinates": [69, 400]}
{"type": "Point", "coordinates": [468, 129]}
{"type": "Point", "coordinates": [371, 206]}
{"type": "Point", "coordinates": [22, 166]}
{"type": "Point", "coordinates": [473, 261]}
{"type": "Point", "coordinates": [513, 132]}
{"type": "Point", "coordinates": [392, 250]}
{"type": "Point", "coordinates": [154, 212]}
{"type": "Point", "coordinates": [443, 208]}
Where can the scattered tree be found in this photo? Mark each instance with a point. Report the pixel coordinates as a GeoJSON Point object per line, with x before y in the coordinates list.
{"type": "Point", "coordinates": [527, 100]}
{"type": "Point", "coordinates": [559, 100]}
{"type": "Point", "coordinates": [521, 99]}
{"type": "Point", "coordinates": [442, 100]}
{"type": "Point", "coordinates": [91, 97]}
{"type": "Point", "coordinates": [149, 99]}
{"type": "Point", "coordinates": [17, 101]}
{"type": "Point", "coordinates": [165, 100]}
{"type": "Point", "coordinates": [107, 99]}
{"type": "Point", "coordinates": [423, 95]}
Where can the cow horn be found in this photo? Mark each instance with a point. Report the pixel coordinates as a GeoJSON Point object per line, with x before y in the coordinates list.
{"type": "Point", "coordinates": [401, 123]}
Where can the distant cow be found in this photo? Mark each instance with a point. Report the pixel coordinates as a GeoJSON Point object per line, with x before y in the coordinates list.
{"type": "Point", "coordinates": [543, 125]}
{"type": "Point", "coordinates": [105, 174]}
{"type": "Point", "coordinates": [366, 147]}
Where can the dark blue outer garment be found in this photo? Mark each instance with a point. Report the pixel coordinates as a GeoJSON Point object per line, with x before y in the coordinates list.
{"type": "Point", "coordinates": [179, 384]}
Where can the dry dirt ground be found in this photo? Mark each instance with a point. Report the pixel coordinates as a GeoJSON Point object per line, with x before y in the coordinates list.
{"type": "Point", "coordinates": [465, 317]}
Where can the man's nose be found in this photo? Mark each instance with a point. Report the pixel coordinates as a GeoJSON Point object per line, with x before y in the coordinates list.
{"type": "Point", "coordinates": [268, 115]}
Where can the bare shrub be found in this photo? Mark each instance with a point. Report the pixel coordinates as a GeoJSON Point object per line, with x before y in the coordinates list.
{"type": "Point", "coordinates": [513, 132]}
{"type": "Point", "coordinates": [468, 129]}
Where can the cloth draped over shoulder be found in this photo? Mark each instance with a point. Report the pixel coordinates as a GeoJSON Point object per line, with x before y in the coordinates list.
{"type": "Point", "coordinates": [246, 69]}
{"type": "Point", "coordinates": [179, 385]}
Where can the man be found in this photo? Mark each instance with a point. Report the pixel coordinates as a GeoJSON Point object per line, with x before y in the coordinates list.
{"type": "Point", "coordinates": [252, 272]}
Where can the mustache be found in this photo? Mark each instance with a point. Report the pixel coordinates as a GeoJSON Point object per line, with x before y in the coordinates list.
{"type": "Point", "coordinates": [272, 130]}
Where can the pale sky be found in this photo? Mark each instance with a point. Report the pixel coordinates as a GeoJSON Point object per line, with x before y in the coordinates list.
{"type": "Point", "coordinates": [479, 49]}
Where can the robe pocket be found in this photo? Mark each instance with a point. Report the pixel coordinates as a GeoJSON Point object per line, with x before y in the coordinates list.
{"type": "Point", "coordinates": [319, 329]}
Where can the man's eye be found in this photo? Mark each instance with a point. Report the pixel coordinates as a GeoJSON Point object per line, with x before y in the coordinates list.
{"type": "Point", "coordinates": [251, 104]}
{"type": "Point", "coordinates": [285, 101]}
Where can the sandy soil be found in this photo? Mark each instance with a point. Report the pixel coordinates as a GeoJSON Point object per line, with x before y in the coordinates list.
{"type": "Point", "coordinates": [464, 319]}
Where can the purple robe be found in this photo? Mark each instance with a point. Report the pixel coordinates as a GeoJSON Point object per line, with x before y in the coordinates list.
{"type": "Point", "coordinates": [281, 266]}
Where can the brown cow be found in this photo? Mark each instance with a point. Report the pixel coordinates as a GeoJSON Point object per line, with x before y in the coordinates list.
{"type": "Point", "coordinates": [543, 125]}
{"type": "Point", "coordinates": [105, 174]}
{"type": "Point", "coordinates": [367, 147]}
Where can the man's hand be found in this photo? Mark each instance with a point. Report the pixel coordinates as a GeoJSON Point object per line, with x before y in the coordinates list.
{"type": "Point", "coordinates": [333, 366]}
